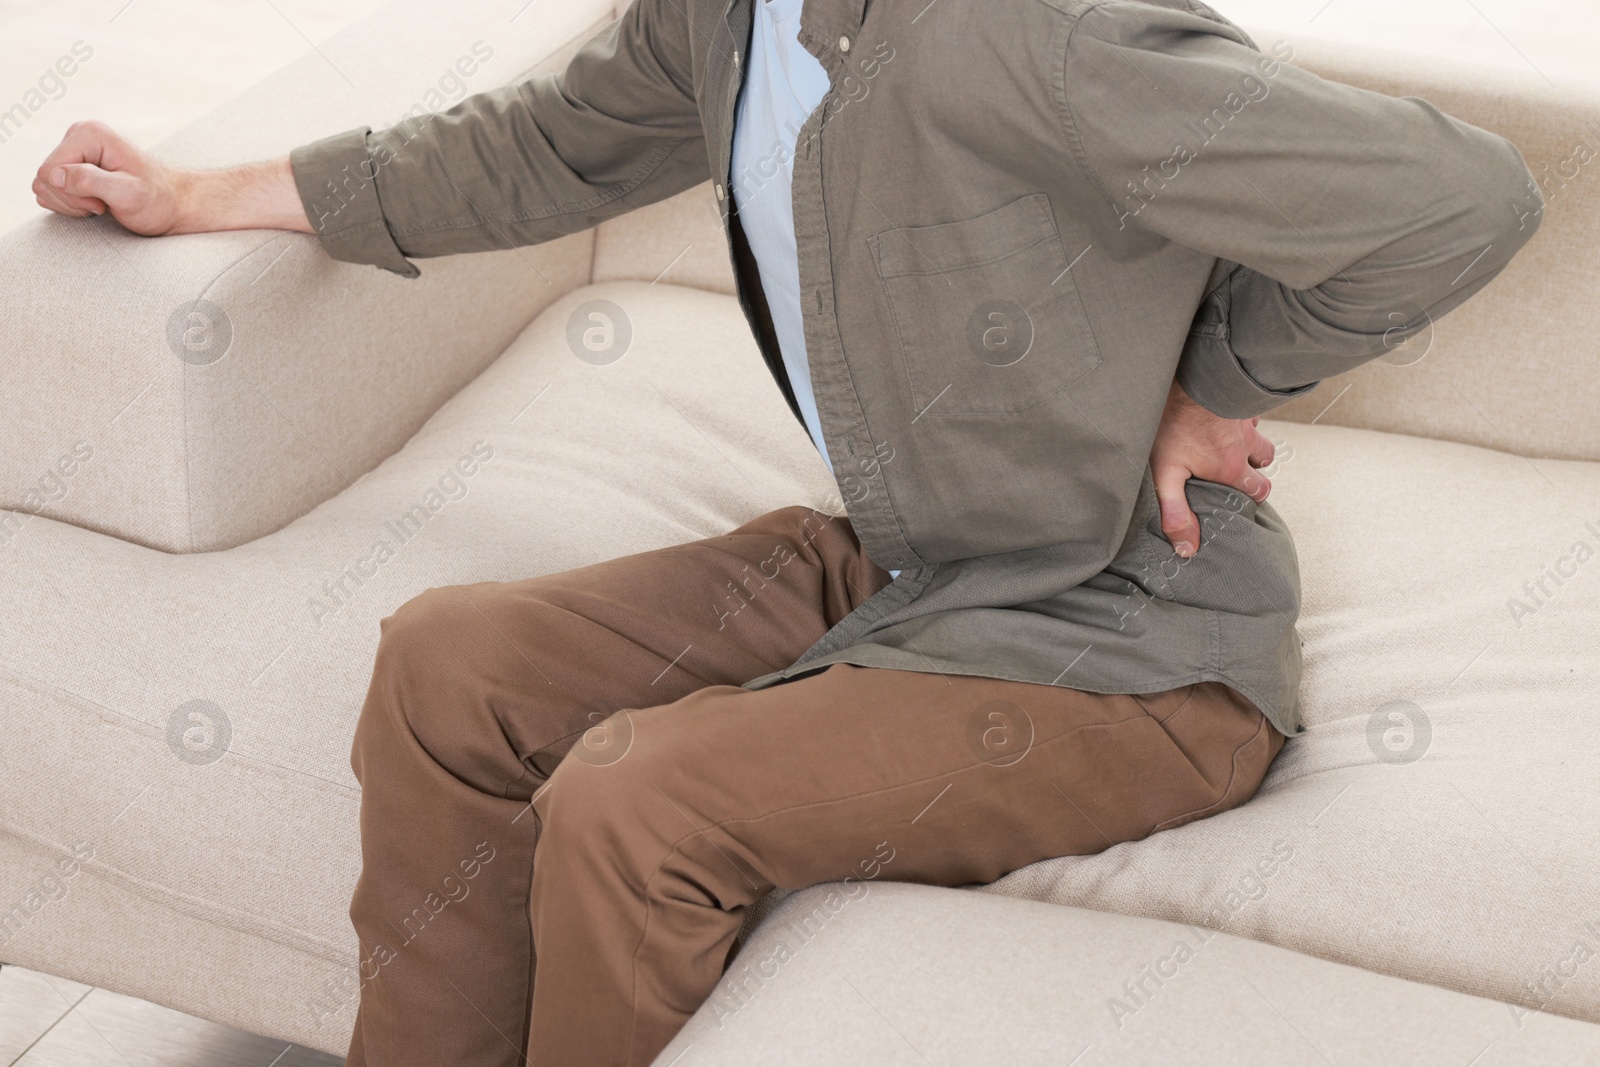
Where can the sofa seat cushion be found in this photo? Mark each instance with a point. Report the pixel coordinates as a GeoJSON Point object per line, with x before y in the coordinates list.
{"type": "Point", "coordinates": [187, 718]}
{"type": "Point", "coordinates": [900, 975]}
{"type": "Point", "coordinates": [1439, 814]}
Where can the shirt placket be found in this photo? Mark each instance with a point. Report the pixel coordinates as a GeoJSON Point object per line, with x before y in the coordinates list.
{"type": "Point", "coordinates": [725, 72]}
{"type": "Point", "coordinates": [844, 426]}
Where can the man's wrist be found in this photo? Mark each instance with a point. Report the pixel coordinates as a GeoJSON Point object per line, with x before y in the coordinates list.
{"type": "Point", "coordinates": [249, 197]}
{"type": "Point", "coordinates": [184, 217]}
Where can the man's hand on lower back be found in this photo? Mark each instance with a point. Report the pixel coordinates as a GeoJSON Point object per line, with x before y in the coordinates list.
{"type": "Point", "coordinates": [94, 171]}
{"type": "Point", "coordinates": [1193, 443]}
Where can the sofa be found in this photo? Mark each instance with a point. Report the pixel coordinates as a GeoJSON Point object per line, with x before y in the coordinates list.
{"type": "Point", "coordinates": [205, 439]}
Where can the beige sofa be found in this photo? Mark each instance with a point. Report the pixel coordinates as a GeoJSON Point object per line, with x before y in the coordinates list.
{"type": "Point", "coordinates": [205, 438]}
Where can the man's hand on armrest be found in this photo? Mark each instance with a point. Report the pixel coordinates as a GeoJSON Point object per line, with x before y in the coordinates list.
{"type": "Point", "coordinates": [1191, 442]}
{"type": "Point", "coordinates": [95, 172]}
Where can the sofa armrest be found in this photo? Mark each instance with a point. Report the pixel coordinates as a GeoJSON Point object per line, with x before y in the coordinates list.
{"type": "Point", "coordinates": [193, 393]}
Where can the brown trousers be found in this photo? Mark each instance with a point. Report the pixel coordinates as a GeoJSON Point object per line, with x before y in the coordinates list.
{"type": "Point", "coordinates": [565, 767]}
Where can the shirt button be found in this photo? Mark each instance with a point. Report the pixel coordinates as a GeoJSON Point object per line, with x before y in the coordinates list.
{"type": "Point", "coordinates": [736, 59]}
{"type": "Point", "coordinates": [719, 192]}
{"type": "Point", "coordinates": [844, 44]}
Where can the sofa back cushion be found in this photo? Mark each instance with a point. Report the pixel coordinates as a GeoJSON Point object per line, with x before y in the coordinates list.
{"type": "Point", "coordinates": [1517, 367]}
{"type": "Point", "coordinates": [677, 240]}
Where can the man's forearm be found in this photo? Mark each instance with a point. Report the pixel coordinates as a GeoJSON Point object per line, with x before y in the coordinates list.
{"type": "Point", "coordinates": [254, 196]}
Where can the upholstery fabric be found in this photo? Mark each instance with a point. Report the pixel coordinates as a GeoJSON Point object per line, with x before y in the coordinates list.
{"type": "Point", "coordinates": [302, 373]}
{"type": "Point", "coordinates": [588, 463]}
{"type": "Point", "coordinates": [219, 886]}
{"type": "Point", "coordinates": [1466, 868]}
{"type": "Point", "coordinates": [1452, 844]}
{"type": "Point", "coordinates": [896, 974]}
{"type": "Point", "coordinates": [677, 240]}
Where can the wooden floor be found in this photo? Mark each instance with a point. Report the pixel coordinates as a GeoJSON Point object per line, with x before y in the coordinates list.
{"type": "Point", "coordinates": [50, 1022]}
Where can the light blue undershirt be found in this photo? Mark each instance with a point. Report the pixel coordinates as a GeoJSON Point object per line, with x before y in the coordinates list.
{"type": "Point", "coordinates": [783, 84]}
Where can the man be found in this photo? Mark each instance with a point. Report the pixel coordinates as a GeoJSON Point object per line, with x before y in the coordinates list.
{"type": "Point", "coordinates": [992, 253]}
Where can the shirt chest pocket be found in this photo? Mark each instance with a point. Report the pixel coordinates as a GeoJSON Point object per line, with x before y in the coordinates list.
{"type": "Point", "coordinates": [986, 312]}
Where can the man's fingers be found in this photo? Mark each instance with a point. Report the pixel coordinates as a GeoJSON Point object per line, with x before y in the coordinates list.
{"type": "Point", "coordinates": [63, 202]}
{"type": "Point", "coordinates": [88, 182]}
{"type": "Point", "coordinates": [1257, 486]}
{"type": "Point", "coordinates": [87, 186]}
{"type": "Point", "coordinates": [91, 142]}
{"type": "Point", "coordinates": [1178, 522]}
{"type": "Point", "coordinates": [72, 178]}
{"type": "Point", "coordinates": [1262, 451]}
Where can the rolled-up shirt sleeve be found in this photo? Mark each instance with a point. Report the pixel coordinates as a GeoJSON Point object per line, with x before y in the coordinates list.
{"type": "Point", "coordinates": [1343, 220]}
{"type": "Point", "coordinates": [617, 129]}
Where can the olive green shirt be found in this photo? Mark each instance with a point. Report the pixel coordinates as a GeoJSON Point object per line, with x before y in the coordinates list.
{"type": "Point", "coordinates": [1016, 222]}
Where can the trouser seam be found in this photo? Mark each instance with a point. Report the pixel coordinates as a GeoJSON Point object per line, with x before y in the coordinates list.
{"type": "Point", "coordinates": [1233, 775]}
